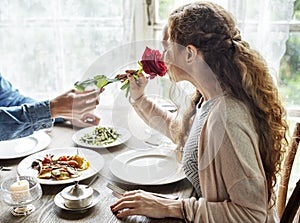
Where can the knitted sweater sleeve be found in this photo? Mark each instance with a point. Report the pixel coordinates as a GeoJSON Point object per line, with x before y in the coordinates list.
{"type": "Point", "coordinates": [155, 116]}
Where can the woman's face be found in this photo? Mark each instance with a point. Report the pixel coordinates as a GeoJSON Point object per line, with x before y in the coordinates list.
{"type": "Point", "coordinates": [173, 57]}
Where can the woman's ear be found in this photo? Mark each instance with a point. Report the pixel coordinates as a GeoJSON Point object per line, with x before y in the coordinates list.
{"type": "Point", "coordinates": [191, 53]}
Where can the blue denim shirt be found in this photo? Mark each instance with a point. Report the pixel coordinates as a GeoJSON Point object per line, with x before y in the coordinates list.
{"type": "Point", "coordinates": [20, 116]}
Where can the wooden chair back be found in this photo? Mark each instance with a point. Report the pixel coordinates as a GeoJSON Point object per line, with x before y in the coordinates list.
{"type": "Point", "coordinates": [283, 209]}
{"type": "Point", "coordinates": [292, 206]}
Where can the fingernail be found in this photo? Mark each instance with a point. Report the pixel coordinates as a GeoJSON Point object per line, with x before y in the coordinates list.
{"type": "Point", "coordinates": [89, 120]}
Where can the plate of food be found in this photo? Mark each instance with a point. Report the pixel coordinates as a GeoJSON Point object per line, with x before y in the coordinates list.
{"type": "Point", "coordinates": [61, 165]}
{"type": "Point", "coordinates": [147, 167]}
{"type": "Point", "coordinates": [16, 148]}
{"type": "Point", "coordinates": [101, 136]}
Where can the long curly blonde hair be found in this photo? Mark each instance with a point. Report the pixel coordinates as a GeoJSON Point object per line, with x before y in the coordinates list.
{"type": "Point", "coordinates": [241, 72]}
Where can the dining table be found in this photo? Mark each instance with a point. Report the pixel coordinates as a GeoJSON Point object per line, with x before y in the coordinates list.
{"type": "Point", "coordinates": [48, 212]}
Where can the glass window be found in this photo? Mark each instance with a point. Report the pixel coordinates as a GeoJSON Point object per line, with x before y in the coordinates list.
{"type": "Point", "coordinates": [164, 7]}
{"type": "Point", "coordinates": [289, 73]}
{"type": "Point", "coordinates": [289, 81]}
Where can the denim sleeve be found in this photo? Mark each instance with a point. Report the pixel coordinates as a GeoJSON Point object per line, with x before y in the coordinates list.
{"type": "Point", "coordinates": [10, 96]}
{"type": "Point", "coordinates": [21, 121]}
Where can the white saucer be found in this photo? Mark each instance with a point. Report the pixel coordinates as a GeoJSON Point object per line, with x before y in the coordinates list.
{"type": "Point", "coordinates": [59, 201]}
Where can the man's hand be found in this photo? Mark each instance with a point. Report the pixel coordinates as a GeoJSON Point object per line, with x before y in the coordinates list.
{"type": "Point", "coordinates": [87, 120]}
{"type": "Point", "coordinates": [73, 105]}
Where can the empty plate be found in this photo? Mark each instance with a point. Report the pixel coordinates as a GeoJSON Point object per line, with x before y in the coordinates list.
{"type": "Point", "coordinates": [21, 147]}
{"type": "Point", "coordinates": [147, 167]}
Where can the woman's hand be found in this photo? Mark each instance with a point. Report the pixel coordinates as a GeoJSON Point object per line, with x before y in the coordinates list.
{"type": "Point", "coordinates": [144, 203]}
{"type": "Point", "coordinates": [137, 87]}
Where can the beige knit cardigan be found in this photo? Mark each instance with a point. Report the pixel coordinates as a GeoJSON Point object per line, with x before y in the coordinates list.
{"type": "Point", "coordinates": [231, 174]}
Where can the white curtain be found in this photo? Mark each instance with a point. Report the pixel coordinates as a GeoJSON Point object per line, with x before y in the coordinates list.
{"type": "Point", "coordinates": [129, 8]}
{"type": "Point", "coordinates": [48, 45]}
{"type": "Point", "coordinates": [264, 24]}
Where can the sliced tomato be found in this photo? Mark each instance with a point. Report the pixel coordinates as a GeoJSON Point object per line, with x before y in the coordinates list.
{"type": "Point", "coordinates": [47, 159]}
{"type": "Point", "coordinates": [63, 158]}
{"type": "Point", "coordinates": [73, 163]}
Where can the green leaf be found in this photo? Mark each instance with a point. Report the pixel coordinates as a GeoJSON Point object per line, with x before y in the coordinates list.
{"type": "Point", "coordinates": [99, 77]}
{"type": "Point", "coordinates": [78, 86]}
{"type": "Point", "coordinates": [125, 85]}
{"type": "Point", "coordinates": [141, 68]}
{"type": "Point", "coordinates": [127, 91]}
{"type": "Point", "coordinates": [135, 76]}
{"type": "Point", "coordinates": [140, 63]}
{"type": "Point", "coordinates": [81, 86]}
{"type": "Point", "coordinates": [102, 82]}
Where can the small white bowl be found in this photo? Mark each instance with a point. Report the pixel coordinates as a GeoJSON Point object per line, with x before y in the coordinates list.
{"type": "Point", "coordinates": [77, 196]}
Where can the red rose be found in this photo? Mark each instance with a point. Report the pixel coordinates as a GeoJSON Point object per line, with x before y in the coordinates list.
{"type": "Point", "coordinates": [152, 63]}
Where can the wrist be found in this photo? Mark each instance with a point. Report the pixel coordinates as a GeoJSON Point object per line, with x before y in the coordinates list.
{"type": "Point", "coordinates": [174, 209]}
{"type": "Point", "coordinates": [52, 109]}
{"type": "Point", "coordinates": [134, 101]}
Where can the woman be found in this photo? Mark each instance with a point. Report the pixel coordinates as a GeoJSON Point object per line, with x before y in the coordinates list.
{"type": "Point", "coordinates": [238, 131]}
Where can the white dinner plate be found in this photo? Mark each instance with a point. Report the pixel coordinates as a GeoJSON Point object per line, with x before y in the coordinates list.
{"type": "Point", "coordinates": [95, 159]}
{"type": "Point", "coordinates": [147, 167]}
{"type": "Point", "coordinates": [59, 201]}
{"type": "Point", "coordinates": [123, 137]}
{"type": "Point", "coordinates": [25, 146]}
